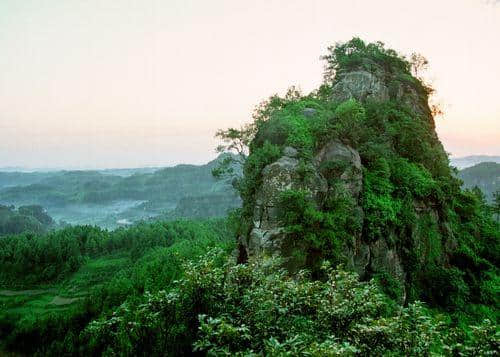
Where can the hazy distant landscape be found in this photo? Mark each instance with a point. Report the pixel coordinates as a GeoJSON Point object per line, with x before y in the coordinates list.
{"type": "Point", "coordinates": [112, 198]}
{"type": "Point", "coordinates": [468, 161]}
{"type": "Point", "coordinates": [485, 176]}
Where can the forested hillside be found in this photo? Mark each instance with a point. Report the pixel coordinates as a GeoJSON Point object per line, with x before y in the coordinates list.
{"type": "Point", "coordinates": [53, 285]}
{"type": "Point", "coordinates": [485, 176]}
{"type": "Point", "coordinates": [109, 197]}
{"type": "Point", "coordinates": [25, 218]}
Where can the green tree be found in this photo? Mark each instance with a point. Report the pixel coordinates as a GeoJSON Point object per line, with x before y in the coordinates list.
{"type": "Point", "coordinates": [38, 212]}
{"type": "Point", "coordinates": [418, 64]}
{"type": "Point", "coordinates": [496, 204]}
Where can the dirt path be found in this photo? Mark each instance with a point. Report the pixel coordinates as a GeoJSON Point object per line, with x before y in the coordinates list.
{"type": "Point", "coordinates": [23, 292]}
{"type": "Point", "coordinates": [59, 301]}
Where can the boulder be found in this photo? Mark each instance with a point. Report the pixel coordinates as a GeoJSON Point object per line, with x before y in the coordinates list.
{"type": "Point", "coordinates": [290, 151]}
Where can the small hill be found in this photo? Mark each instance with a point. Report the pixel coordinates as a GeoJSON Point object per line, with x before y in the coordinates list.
{"type": "Point", "coordinates": [468, 161]}
{"type": "Point", "coordinates": [485, 175]}
{"type": "Point", "coordinates": [24, 219]}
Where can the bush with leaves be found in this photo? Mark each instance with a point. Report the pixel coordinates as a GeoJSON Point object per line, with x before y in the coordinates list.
{"type": "Point", "coordinates": [258, 308]}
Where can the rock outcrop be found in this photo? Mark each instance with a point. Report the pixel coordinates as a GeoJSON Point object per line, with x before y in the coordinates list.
{"type": "Point", "coordinates": [333, 163]}
{"type": "Point", "coordinates": [379, 85]}
{"type": "Point", "coordinates": [360, 85]}
{"type": "Point", "coordinates": [267, 236]}
{"type": "Point", "coordinates": [373, 178]}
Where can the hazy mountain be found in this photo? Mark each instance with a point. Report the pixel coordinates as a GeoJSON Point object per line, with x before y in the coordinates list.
{"type": "Point", "coordinates": [19, 178]}
{"type": "Point", "coordinates": [468, 161]}
{"type": "Point", "coordinates": [106, 197]}
{"type": "Point", "coordinates": [485, 175]}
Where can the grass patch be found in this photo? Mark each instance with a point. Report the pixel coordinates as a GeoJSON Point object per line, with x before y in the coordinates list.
{"type": "Point", "coordinates": [57, 297]}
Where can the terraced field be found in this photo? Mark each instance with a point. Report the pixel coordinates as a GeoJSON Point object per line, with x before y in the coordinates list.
{"type": "Point", "coordinates": [40, 300]}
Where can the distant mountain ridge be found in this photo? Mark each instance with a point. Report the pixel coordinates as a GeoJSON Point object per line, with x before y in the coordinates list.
{"type": "Point", "coordinates": [107, 197]}
{"type": "Point", "coordinates": [485, 175]}
{"type": "Point", "coordinates": [468, 161]}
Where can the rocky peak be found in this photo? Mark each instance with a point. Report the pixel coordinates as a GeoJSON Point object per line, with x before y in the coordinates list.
{"type": "Point", "coordinates": [357, 176]}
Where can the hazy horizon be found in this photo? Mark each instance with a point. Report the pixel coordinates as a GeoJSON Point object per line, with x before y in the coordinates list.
{"type": "Point", "coordinates": [147, 83]}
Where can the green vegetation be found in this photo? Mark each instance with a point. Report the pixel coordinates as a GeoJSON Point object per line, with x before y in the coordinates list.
{"type": "Point", "coordinates": [26, 218]}
{"type": "Point", "coordinates": [28, 259]}
{"type": "Point", "coordinates": [176, 288]}
{"type": "Point", "coordinates": [176, 299]}
{"type": "Point", "coordinates": [59, 299]}
{"type": "Point", "coordinates": [447, 238]}
{"type": "Point", "coordinates": [257, 309]}
{"type": "Point", "coordinates": [319, 231]}
{"type": "Point", "coordinates": [496, 204]}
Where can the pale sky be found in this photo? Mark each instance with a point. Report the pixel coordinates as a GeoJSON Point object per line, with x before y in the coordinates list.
{"type": "Point", "coordinates": [122, 83]}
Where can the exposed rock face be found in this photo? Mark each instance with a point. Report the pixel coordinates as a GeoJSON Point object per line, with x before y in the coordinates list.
{"type": "Point", "coordinates": [266, 235]}
{"type": "Point", "coordinates": [360, 85]}
{"type": "Point", "coordinates": [379, 86]}
{"type": "Point", "coordinates": [347, 162]}
{"type": "Point", "coordinates": [382, 258]}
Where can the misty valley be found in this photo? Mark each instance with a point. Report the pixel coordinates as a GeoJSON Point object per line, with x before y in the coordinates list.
{"type": "Point", "coordinates": [114, 198]}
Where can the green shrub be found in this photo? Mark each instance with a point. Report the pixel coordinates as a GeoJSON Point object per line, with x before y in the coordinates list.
{"type": "Point", "coordinates": [259, 309]}
{"type": "Point", "coordinates": [444, 287]}
{"type": "Point", "coordinates": [349, 122]}
{"type": "Point", "coordinates": [317, 234]}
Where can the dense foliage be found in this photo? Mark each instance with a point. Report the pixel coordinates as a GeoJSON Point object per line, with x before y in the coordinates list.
{"type": "Point", "coordinates": [258, 309]}
{"type": "Point", "coordinates": [153, 256]}
{"type": "Point", "coordinates": [28, 258]}
{"type": "Point", "coordinates": [177, 300]}
{"type": "Point", "coordinates": [31, 218]}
